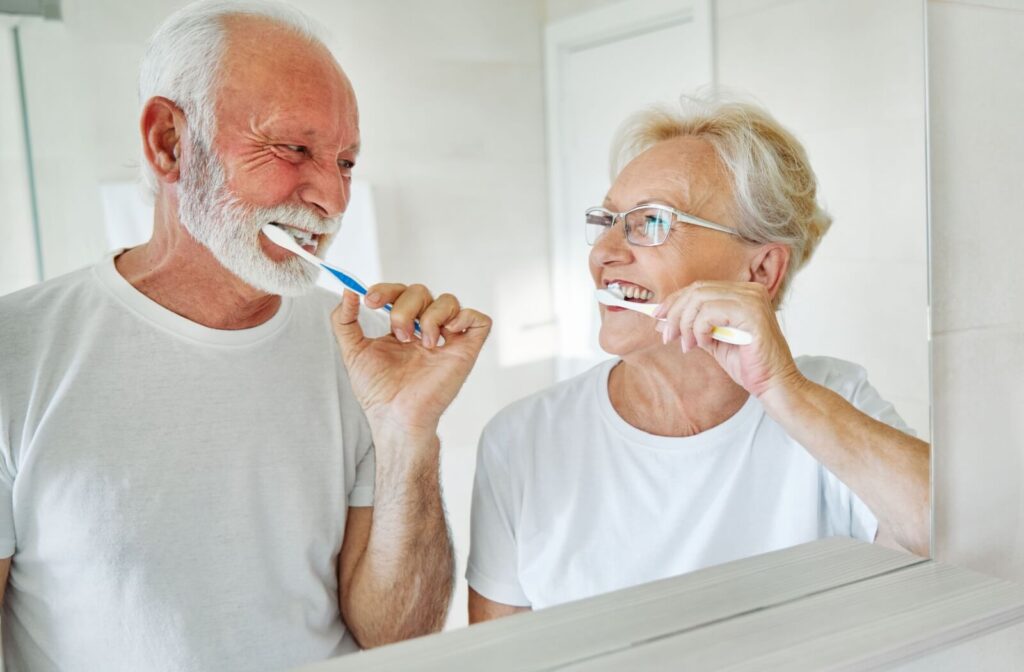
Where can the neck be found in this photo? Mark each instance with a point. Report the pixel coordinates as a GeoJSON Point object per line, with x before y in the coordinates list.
{"type": "Point", "coordinates": [185, 278]}
{"type": "Point", "coordinates": [664, 392]}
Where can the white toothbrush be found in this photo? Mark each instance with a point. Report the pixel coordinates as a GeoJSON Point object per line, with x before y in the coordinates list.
{"type": "Point", "coordinates": [613, 296]}
{"type": "Point", "coordinates": [282, 238]}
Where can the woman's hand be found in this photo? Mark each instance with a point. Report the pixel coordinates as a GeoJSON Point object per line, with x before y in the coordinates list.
{"type": "Point", "coordinates": [692, 312]}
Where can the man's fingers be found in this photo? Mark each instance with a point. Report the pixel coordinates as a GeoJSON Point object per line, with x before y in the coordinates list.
{"type": "Point", "coordinates": [383, 292]}
{"type": "Point", "coordinates": [469, 322]}
{"type": "Point", "coordinates": [406, 307]}
{"type": "Point", "coordinates": [345, 322]}
{"type": "Point", "coordinates": [439, 313]}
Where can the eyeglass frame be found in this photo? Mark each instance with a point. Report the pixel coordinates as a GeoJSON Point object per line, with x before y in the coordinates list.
{"type": "Point", "coordinates": [684, 217]}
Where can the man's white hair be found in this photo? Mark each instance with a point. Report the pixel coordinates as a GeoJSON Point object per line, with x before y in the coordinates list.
{"type": "Point", "coordinates": [183, 58]}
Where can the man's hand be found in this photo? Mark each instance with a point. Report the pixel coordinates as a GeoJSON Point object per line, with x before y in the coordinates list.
{"type": "Point", "coordinates": [404, 383]}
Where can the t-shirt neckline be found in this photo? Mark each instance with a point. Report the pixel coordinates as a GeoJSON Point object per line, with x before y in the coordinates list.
{"type": "Point", "coordinates": [152, 312]}
{"type": "Point", "coordinates": [709, 438]}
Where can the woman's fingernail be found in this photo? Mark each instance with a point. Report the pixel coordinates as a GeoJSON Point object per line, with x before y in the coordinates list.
{"type": "Point", "coordinates": [373, 297]}
{"type": "Point", "coordinates": [401, 335]}
{"type": "Point", "coordinates": [664, 335]}
{"type": "Point", "coordinates": [427, 341]}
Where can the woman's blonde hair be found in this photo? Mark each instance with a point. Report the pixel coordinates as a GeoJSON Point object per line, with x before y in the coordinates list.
{"type": "Point", "coordinates": [774, 188]}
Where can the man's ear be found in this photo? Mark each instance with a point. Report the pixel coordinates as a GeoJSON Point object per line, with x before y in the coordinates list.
{"type": "Point", "coordinates": [163, 126]}
{"type": "Point", "coordinates": [768, 266]}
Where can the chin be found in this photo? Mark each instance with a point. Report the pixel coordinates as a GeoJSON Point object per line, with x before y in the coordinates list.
{"type": "Point", "coordinates": [619, 343]}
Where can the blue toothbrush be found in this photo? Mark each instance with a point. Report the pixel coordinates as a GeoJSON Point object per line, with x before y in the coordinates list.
{"type": "Point", "coordinates": [280, 237]}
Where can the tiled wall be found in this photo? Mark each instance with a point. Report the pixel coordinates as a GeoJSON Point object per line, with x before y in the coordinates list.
{"type": "Point", "coordinates": [976, 57]}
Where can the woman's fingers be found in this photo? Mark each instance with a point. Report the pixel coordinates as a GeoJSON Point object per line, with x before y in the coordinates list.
{"type": "Point", "coordinates": [731, 303]}
{"type": "Point", "coordinates": [721, 313]}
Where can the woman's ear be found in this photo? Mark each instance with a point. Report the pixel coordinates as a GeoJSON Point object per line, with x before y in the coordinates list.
{"type": "Point", "coordinates": [768, 267]}
{"type": "Point", "coordinates": [163, 126]}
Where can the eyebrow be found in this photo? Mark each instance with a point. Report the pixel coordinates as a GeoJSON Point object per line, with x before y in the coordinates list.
{"type": "Point", "coordinates": [354, 147]}
{"type": "Point", "coordinates": [655, 201]}
{"type": "Point", "coordinates": [647, 201]}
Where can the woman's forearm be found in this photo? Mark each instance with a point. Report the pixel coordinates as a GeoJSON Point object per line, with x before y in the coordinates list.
{"type": "Point", "coordinates": [888, 469]}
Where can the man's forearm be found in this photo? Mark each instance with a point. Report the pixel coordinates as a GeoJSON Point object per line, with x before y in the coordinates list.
{"type": "Point", "coordinates": [401, 586]}
{"type": "Point", "coordinates": [888, 469]}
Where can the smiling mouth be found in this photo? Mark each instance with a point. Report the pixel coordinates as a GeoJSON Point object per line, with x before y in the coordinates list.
{"type": "Point", "coordinates": [302, 237]}
{"type": "Point", "coordinates": [633, 293]}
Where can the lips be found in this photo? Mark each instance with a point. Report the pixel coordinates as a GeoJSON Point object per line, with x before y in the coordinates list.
{"type": "Point", "coordinates": [303, 237]}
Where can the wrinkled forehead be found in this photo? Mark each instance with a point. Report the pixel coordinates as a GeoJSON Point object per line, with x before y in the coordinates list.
{"type": "Point", "coordinates": [271, 65]}
{"type": "Point", "coordinates": [684, 172]}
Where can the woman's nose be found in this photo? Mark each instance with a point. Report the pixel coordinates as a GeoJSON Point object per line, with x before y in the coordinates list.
{"type": "Point", "coordinates": [611, 246]}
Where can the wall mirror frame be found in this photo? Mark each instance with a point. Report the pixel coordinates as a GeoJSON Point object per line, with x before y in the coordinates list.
{"type": "Point", "coordinates": [567, 40]}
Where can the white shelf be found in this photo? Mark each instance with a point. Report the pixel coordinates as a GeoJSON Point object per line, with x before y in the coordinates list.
{"type": "Point", "coordinates": [835, 603]}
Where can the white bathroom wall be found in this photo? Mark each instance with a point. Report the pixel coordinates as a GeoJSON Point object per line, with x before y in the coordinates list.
{"type": "Point", "coordinates": [976, 51]}
{"type": "Point", "coordinates": [848, 76]}
{"type": "Point", "coordinates": [451, 111]}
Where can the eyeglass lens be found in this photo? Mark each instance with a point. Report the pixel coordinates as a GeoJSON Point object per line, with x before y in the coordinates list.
{"type": "Point", "coordinates": [644, 226]}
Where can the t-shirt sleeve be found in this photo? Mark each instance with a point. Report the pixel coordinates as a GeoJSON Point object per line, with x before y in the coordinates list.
{"type": "Point", "coordinates": [492, 569]}
{"type": "Point", "coordinates": [846, 513]}
{"type": "Point", "coordinates": [8, 542]}
{"type": "Point", "coordinates": [366, 472]}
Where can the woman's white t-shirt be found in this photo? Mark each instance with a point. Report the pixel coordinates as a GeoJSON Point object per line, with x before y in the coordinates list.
{"type": "Point", "coordinates": [571, 501]}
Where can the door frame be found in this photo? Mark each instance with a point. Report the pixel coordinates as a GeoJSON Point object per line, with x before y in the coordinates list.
{"type": "Point", "coordinates": [621, 20]}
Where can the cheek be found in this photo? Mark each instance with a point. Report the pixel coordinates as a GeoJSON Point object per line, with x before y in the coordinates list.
{"type": "Point", "coordinates": [266, 190]}
{"type": "Point", "coordinates": [264, 182]}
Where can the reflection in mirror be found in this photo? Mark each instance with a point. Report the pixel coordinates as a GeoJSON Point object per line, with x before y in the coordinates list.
{"type": "Point", "coordinates": [793, 179]}
{"type": "Point", "coordinates": [630, 459]}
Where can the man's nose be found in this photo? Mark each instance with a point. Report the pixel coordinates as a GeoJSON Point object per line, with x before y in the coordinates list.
{"type": "Point", "coordinates": [326, 190]}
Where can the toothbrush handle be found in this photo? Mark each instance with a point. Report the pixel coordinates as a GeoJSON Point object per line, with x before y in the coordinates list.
{"type": "Point", "coordinates": [360, 289]}
{"type": "Point", "coordinates": [415, 323]}
{"type": "Point", "coordinates": [730, 335]}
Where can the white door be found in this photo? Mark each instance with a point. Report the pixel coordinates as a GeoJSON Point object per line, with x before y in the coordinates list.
{"type": "Point", "coordinates": [601, 67]}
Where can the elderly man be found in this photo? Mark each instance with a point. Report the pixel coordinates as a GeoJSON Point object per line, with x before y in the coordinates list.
{"type": "Point", "coordinates": [202, 466]}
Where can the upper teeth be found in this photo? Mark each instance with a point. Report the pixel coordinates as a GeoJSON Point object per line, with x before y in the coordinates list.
{"type": "Point", "coordinates": [631, 292]}
{"type": "Point", "coordinates": [301, 237]}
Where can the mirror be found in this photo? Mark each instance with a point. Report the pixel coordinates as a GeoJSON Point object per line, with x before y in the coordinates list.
{"type": "Point", "coordinates": [474, 172]}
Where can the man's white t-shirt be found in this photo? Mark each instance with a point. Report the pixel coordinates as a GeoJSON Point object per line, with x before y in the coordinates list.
{"type": "Point", "coordinates": [571, 501]}
{"type": "Point", "coordinates": [174, 496]}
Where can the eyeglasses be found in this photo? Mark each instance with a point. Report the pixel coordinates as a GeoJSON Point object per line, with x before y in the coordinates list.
{"type": "Point", "coordinates": [646, 225]}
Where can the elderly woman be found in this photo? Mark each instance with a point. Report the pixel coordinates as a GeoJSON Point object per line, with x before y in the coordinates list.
{"type": "Point", "coordinates": [684, 451]}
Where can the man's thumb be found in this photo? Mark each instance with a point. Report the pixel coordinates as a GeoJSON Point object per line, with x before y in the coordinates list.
{"type": "Point", "coordinates": [345, 322]}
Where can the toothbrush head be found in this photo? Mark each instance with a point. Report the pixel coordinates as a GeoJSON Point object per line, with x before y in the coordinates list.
{"type": "Point", "coordinates": [282, 238]}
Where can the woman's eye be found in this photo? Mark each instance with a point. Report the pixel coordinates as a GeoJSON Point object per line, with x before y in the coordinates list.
{"type": "Point", "coordinates": [298, 149]}
{"type": "Point", "coordinates": [345, 164]}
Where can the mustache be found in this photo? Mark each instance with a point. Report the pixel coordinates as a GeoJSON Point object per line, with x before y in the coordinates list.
{"type": "Point", "coordinates": [289, 214]}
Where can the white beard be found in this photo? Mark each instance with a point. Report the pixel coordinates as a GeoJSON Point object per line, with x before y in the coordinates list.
{"type": "Point", "coordinates": [230, 227]}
